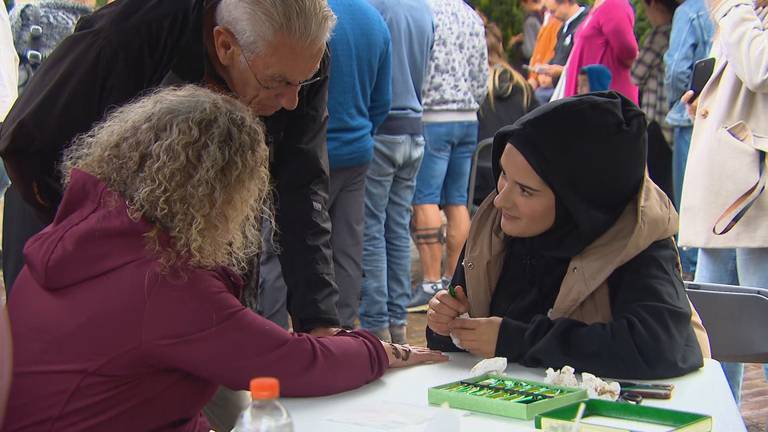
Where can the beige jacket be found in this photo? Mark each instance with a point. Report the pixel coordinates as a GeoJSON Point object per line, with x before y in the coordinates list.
{"type": "Point", "coordinates": [729, 132]}
{"type": "Point", "coordinates": [584, 294]}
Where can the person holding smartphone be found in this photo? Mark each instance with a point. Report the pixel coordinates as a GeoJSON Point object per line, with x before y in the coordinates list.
{"type": "Point", "coordinates": [723, 209]}
{"type": "Point", "coordinates": [690, 40]}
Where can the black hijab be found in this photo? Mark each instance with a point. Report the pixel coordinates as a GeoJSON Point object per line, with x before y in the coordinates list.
{"type": "Point", "coordinates": [591, 151]}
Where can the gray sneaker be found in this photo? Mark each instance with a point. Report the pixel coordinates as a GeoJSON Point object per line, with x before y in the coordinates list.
{"type": "Point", "coordinates": [422, 296]}
{"type": "Point", "coordinates": [398, 334]}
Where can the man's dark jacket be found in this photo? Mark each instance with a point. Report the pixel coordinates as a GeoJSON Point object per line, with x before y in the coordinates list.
{"type": "Point", "coordinates": [126, 49]}
{"type": "Point", "coordinates": [566, 39]}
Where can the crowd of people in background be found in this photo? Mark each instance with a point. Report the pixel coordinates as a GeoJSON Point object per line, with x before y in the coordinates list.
{"type": "Point", "coordinates": [370, 116]}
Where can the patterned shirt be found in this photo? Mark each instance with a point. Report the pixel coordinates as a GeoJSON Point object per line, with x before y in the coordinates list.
{"type": "Point", "coordinates": [648, 74]}
{"type": "Point", "coordinates": [457, 73]}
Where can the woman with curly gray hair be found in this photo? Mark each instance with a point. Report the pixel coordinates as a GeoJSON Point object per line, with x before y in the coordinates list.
{"type": "Point", "coordinates": [127, 315]}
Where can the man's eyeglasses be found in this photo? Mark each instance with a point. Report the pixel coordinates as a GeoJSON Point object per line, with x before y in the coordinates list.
{"type": "Point", "coordinates": [280, 85]}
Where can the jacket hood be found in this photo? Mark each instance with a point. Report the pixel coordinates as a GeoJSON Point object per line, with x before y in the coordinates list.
{"type": "Point", "coordinates": [599, 77]}
{"type": "Point", "coordinates": [591, 151]}
{"type": "Point", "coordinates": [91, 234]}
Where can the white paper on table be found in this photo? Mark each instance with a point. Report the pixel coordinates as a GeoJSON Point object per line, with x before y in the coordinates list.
{"type": "Point", "coordinates": [390, 416]}
{"type": "Point", "coordinates": [446, 420]}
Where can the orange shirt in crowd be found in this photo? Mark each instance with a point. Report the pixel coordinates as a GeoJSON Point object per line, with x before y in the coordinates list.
{"type": "Point", "coordinates": [545, 43]}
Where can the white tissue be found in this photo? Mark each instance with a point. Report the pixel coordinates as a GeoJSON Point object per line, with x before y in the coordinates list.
{"type": "Point", "coordinates": [599, 389]}
{"type": "Point", "coordinates": [564, 377]}
{"type": "Point", "coordinates": [596, 388]}
{"type": "Point", "coordinates": [496, 365]}
{"type": "Point", "coordinates": [454, 339]}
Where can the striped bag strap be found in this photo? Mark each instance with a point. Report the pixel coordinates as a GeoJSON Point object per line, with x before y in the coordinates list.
{"type": "Point", "coordinates": [733, 214]}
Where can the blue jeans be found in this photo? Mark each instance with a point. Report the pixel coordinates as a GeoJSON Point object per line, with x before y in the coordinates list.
{"type": "Point", "coordinates": [682, 137]}
{"type": "Point", "coordinates": [444, 175]}
{"type": "Point", "coordinates": [746, 267]}
{"type": "Point", "coordinates": [387, 243]}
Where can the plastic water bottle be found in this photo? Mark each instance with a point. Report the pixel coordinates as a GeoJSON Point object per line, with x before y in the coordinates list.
{"type": "Point", "coordinates": [265, 414]}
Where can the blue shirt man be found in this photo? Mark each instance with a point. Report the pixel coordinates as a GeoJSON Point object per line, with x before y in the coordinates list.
{"type": "Point", "coordinates": [359, 96]}
{"type": "Point", "coordinates": [398, 150]}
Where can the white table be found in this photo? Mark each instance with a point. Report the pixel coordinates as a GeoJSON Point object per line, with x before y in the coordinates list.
{"type": "Point", "coordinates": [705, 391]}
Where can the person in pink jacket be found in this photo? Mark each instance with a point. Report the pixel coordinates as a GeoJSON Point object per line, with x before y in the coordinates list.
{"type": "Point", "coordinates": [126, 315]}
{"type": "Point", "coordinates": [606, 37]}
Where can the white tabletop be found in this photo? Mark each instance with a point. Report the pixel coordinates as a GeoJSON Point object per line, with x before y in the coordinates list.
{"type": "Point", "coordinates": [705, 391]}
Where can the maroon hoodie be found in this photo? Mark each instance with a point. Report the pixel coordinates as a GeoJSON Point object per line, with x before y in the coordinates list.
{"type": "Point", "coordinates": [104, 341]}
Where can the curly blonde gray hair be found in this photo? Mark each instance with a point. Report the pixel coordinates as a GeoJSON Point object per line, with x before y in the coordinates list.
{"type": "Point", "coordinates": [194, 164]}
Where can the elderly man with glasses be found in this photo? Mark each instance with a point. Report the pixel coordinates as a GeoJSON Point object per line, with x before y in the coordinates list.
{"type": "Point", "coordinates": [270, 54]}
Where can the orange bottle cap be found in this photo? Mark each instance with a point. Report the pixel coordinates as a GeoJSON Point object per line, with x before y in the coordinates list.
{"type": "Point", "coordinates": [265, 388]}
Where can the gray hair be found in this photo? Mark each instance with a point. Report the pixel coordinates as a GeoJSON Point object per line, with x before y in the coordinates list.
{"type": "Point", "coordinates": [256, 22]}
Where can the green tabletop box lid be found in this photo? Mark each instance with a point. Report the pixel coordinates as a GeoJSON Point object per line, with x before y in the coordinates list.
{"type": "Point", "coordinates": [485, 404]}
{"type": "Point", "coordinates": [609, 416]}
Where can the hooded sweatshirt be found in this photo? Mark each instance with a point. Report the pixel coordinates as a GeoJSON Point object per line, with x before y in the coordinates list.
{"type": "Point", "coordinates": [104, 340]}
{"type": "Point", "coordinates": [601, 290]}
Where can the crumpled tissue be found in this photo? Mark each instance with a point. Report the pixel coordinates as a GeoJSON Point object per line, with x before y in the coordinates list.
{"type": "Point", "coordinates": [596, 388]}
{"type": "Point", "coordinates": [496, 365]}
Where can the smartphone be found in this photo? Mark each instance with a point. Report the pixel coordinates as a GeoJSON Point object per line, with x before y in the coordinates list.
{"type": "Point", "coordinates": [702, 72]}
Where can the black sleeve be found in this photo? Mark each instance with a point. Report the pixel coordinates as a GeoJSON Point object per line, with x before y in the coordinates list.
{"type": "Point", "coordinates": [300, 172]}
{"type": "Point", "coordinates": [650, 336]}
{"type": "Point", "coordinates": [444, 343]}
{"type": "Point", "coordinates": [97, 68]}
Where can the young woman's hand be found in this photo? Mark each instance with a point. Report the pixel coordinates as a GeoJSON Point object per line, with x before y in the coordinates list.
{"type": "Point", "coordinates": [692, 106]}
{"type": "Point", "coordinates": [477, 335]}
{"type": "Point", "coordinates": [443, 308]}
{"type": "Point", "coordinates": [407, 355]}
{"type": "Point", "coordinates": [545, 81]}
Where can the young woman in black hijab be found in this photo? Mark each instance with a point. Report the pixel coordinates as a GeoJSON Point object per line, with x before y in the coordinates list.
{"type": "Point", "coordinates": [572, 260]}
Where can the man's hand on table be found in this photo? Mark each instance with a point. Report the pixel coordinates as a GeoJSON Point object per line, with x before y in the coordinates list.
{"type": "Point", "coordinates": [477, 335]}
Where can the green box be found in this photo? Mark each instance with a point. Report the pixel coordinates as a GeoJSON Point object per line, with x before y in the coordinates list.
{"type": "Point", "coordinates": [679, 421]}
{"type": "Point", "coordinates": [440, 394]}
